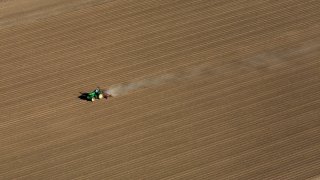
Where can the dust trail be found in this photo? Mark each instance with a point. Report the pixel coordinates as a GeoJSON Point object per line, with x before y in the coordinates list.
{"type": "Point", "coordinates": [123, 89]}
{"type": "Point", "coordinates": [263, 62]}
{"type": "Point", "coordinates": [278, 58]}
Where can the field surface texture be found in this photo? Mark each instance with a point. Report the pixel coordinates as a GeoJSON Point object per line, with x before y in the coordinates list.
{"type": "Point", "coordinates": [203, 89]}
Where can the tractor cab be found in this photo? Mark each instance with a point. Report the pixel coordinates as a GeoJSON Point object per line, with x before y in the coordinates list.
{"type": "Point", "coordinates": [96, 94]}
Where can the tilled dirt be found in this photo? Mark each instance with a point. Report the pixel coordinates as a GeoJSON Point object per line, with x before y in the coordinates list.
{"type": "Point", "coordinates": [215, 89]}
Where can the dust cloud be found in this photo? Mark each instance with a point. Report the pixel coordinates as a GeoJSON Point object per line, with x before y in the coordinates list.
{"type": "Point", "coordinates": [277, 58]}
{"type": "Point", "coordinates": [269, 61]}
{"type": "Point", "coordinates": [125, 88]}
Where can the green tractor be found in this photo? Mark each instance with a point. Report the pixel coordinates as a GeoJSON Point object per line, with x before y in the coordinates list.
{"type": "Point", "coordinates": [96, 94]}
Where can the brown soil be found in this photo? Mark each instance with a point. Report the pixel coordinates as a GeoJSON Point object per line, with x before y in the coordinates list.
{"type": "Point", "coordinates": [251, 113]}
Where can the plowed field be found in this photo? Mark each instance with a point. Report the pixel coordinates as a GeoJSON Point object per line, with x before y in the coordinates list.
{"type": "Point", "coordinates": [213, 89]}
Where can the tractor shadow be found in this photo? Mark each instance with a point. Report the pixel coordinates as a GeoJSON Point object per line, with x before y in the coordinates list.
{"type": "Point", "coordinates": [83, 96]}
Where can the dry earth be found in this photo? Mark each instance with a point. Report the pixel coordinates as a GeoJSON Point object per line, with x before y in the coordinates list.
{"type": "Point", "coordinates": [244, 101]}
